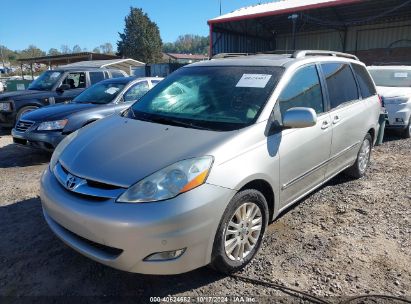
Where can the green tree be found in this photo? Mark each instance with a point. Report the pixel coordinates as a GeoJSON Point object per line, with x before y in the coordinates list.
{"type": "Point", "coordinates": [97, 50]}
{"type": "Point", "coordinates": [191, 44]}
{"type": "Point", "coordinates": [76, 49]}
{"type": "Point", "coordinates": [32, 51]}
{"type": "Point", "coordinates": [107, 48]}
{"type": "Point", "coordinates": [141, 38]}
{"type": "Point", "coordinates": [65, 49]}
{"type": "Point", "coordinates": [53, 52]}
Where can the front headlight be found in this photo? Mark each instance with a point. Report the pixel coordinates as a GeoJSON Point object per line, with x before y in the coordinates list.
{"type": "Point", "coordinates": [60, 148]}
{"type": "Point", "coordinates": [169, 182]}
{"type": "Point", "coordinates": [52, 125]}
{"type": "Point", "coordinates": [5, 106]}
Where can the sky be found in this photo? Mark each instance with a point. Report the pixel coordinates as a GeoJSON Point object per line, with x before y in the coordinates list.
{"type": "Point", "coordinates": [90, 23]}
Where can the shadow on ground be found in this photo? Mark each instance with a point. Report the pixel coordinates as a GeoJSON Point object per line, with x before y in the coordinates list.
{"type": "Point", "coordinates": [14, 155]}
{"type": "Point", "coordinates": [32, 256]}
{"type": "Point", "coordinates": [392, 135]}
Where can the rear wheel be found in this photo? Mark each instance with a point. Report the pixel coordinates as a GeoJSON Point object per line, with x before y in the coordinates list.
{"type": "Point", "coordinates": [240, 233]}
{"type": "Point", "coordinates": [25, 110]}
{"type": "Point", "coordinates": [358, 169]}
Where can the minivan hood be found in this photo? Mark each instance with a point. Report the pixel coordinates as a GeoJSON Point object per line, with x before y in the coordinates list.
{"type": "Point", "coordinates": [56, 112]}
{"type": "Point", "coordinates": [121, 151]}
{"type": "Point", "coordinates": [18, 94]}
{"type": "Point", "coordinates": [389, 92]}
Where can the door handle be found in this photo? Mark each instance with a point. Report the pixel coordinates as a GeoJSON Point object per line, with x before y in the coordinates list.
{"type": "Point", "coordinates": [325, 125]}
{"type": "Point", "coordinates": [336, 119]}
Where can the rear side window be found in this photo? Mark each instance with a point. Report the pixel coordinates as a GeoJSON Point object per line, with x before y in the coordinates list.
{"type": "Point", "coordinates": [303, 90]}
{"type": "Point", "coordinates": [96, 77]}
{"type": "Point", "coordinates": [340, 83]}
{"type": "Point", "coordinates": [116, 74]}
{"type": "Point", "coordinates": [367, 87]}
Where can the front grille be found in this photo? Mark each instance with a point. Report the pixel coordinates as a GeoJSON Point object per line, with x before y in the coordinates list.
{"type": "Point", "coordinates": [86, 187]}
{"type": "Point", "coordinates": [24, 125]}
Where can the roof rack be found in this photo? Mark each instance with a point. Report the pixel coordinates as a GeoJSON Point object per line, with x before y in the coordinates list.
{"type": "Point", "coordinates": [304, 53]}
{"type": "Point", "coordinates": [230, 55]}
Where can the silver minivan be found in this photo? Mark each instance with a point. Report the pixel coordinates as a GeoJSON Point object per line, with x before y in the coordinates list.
{"type": "Point", "coordinates": [192, 174]}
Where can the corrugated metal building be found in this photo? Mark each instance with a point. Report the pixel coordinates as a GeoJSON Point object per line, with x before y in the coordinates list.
{"type": "Point", "coordinates": [377, 31]}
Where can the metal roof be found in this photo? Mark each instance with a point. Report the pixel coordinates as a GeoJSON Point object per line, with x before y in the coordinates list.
{"type": "Point", "coordinates": [67, 58]}
{"type": "Point", "coordinates": [119, 64]}
{"type": "Point", "coordinates": [111, 63]}
{"type": "Point", "coordinates": [277, 8]}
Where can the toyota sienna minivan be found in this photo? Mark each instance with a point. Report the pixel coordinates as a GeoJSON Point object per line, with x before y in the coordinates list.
{"type": "Point", "coordinates": [192, 174]}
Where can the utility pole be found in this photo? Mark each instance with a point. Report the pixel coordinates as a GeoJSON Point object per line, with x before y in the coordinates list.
{"type": "Point", "coordinates": [220, 7]}
{"type": "Point", "coordinates": [294, 18]}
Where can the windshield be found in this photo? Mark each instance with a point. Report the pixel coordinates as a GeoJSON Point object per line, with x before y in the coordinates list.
{"type": "Point", "coordinates": [100, 93]}
{"type": "Point", "coordinates": [213, 98]}
{"type": "Point", "coordinates": [45, 81]}
{"type": "Point", "coordinates": [391, 77]}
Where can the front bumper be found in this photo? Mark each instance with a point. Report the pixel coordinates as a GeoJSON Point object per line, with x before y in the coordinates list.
{"type": "Point", "coordinates": [44, 140]}
{"type": "Point", "coordinates": [134, 231]}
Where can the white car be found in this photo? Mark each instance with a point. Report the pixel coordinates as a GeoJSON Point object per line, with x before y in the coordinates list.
{"type": "Point", "coordinates": [394, 85]}
{"type": "Point", "coordinates": [1, 87]}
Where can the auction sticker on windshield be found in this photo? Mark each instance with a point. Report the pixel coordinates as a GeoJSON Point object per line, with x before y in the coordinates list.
{"type": "Point", "coordinates": [401, 75]}
{"type": "Point", "coordinates": [112, 90]}
{"type": "Point", "coordinates": [253, 81]}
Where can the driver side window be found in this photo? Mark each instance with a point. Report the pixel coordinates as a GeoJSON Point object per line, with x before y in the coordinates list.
{"type": "Point", "coordinates": [303, 90]}
{"type": "Point", "coordinates": [136, 91]}
{"type": "Point", "coordinates": [75, 80]}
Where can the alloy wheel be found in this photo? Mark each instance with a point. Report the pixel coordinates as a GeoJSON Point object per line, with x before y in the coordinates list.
{"type": "Point", "coordinates": [243, 231]}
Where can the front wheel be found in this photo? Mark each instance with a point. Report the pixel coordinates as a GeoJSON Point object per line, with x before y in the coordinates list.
{"type": "Point", "coordinates": [240, 232]}
{"type": "Point", "coordinates": [357, 170]}
{"type": "Point", "coordinates": [25, 110]}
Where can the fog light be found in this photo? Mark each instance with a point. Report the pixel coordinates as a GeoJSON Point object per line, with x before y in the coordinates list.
{"type": "Point", "coordinates": [165, 255]}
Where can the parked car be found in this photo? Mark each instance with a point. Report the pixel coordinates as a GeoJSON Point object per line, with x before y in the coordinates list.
{"type": "Point", "coordinates": [46, 127]}
{"type": "Point", "coordinates": [1, 87]}
{"type": "Point", "coordinates": [394, 85]}
{"type": "Point", "coordinates": [185, 179]}
{"type": "Point", "coordinates": [51, 87]}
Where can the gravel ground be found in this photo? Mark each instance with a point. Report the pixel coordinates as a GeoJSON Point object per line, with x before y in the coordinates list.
{"type": "Point", "coordinates": [351, 237]}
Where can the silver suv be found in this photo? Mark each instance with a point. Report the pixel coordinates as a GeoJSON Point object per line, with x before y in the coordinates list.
{"type": "Point", "coordinates": [192, 174]}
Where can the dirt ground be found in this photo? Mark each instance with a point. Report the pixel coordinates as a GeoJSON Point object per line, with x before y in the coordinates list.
{"type": "Point", "coordinates": [349, 238]}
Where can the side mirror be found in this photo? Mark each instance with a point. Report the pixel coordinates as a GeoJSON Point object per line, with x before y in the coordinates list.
{"type": "Point", "coordinates": [63, 88]}
{"type": "Point", "coordinates": [299, 118]}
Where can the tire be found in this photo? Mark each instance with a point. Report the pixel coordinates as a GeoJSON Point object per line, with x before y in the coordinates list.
{"type": "Point", "coordinates": [228, 259]}
{"type": "Point", "coordinates": [407, 132]}
{"type": "Point", "coordinates": [358, 169]}
{"type": "Point", "coordinates": [25, 110]}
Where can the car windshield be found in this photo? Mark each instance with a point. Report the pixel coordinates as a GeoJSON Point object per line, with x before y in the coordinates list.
{"type": "Point", "coordinates": [215, 98]}
{"type": "Point", "coordinates": [45, 81]}
{"type": "Point", "coordinates": [391, 77]}
{"type": "Point", "coordinates": [100, 93]}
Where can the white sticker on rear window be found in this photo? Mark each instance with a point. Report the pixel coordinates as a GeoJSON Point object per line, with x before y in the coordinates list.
{"type": "Point", "coordinates": [401, 75]}
{"type": "Point", "coordinates": [111, 90]}
{"type": "Point", "coordinates": [253, 81]}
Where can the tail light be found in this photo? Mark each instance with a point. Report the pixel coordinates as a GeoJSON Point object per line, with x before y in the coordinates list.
{"type": "Point", "coordinates": [381, 100]}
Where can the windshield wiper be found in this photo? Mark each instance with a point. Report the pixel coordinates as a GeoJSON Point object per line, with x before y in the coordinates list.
{"type": "Point", "coordinates": [165, 120]}
{"type": "Point", "coordinates": [177, 123]}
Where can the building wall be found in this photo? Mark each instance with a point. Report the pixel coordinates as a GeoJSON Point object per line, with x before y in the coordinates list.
{"type": "Point", "coordinates": [365, 40]}
{"type": "Point", "coordinates": [358, 38]}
